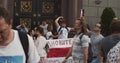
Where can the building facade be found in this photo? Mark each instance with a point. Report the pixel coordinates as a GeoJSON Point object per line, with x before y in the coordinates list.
{"type": "Point", "coordinates": [93, 11]}
{"type": "Point", "coordinates": [70, 9]}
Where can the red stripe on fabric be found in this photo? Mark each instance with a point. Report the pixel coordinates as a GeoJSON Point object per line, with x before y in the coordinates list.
{"type": "Point", "coordinates": [58, 52]}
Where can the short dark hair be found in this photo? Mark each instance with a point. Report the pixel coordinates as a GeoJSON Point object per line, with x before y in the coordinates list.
{"type": "Point", "coordinates": [29, 31]}
{"type": "Point", "coordinates": [40, 30]}
{"type": "Point", "coordinates": [5, 14]}
{"type": "Point", "coordinates": [115, 26]}
{"type": "Point", "coordinates": [62, 21]}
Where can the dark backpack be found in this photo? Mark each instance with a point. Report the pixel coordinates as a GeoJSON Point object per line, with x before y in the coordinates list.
{"type": "Point", "coordinates": [90, 53]}
{"type": "Point", "coordinates": [25, 43]}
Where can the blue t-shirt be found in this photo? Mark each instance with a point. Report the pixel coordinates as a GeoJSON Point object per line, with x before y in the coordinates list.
{"type": "Point", "coordinates": [11, 59]}
{"type": "Point", "coordinates": [95, 42]}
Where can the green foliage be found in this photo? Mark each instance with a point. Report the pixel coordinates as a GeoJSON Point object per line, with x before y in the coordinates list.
{"type": "Point", "coordinates": [106, 19]}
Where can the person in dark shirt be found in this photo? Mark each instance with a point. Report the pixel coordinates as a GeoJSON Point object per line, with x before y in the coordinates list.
{"type": "Point", "coordinates": [109, 42]}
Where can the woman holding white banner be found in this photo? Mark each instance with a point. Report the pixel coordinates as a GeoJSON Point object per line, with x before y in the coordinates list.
{"type": "Point", "coordinates": [79, 50]}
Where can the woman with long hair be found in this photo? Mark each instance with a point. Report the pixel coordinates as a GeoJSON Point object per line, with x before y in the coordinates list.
{"type": "Point", "coordinates": [79, 50]}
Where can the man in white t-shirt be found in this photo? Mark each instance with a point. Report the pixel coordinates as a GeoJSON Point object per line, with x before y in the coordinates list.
{"type": "Point", "coordinates": [61, 28]}
{"type": "Point", "coordinates": [11, 48]}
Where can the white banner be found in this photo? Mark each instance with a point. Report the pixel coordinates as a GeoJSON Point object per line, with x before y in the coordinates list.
{"type": "Point", "coordinates": [58, 50]}
{"type": "Point", "coordinates": [56, 60]}
{"type": "Point", "coordinates": [59, 60]}
{"type": "Point", "coordinates": [60, 43]}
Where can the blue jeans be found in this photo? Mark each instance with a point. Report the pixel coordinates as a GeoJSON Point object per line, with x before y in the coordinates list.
{"type": "Point", "coordinates": [95, 60]}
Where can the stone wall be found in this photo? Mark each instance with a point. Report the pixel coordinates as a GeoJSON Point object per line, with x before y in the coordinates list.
{"type": "Point", "coordinates": [93, 12]}
{"type": "Point", "coordinates": [70, 9]}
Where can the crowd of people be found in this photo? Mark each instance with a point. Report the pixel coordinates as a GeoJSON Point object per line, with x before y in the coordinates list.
{"type": "Point", "coordinates": [88, 46]}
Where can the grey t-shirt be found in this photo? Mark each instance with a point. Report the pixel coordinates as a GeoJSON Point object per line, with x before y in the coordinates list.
{"type": "Point", "coordinates": [95, 42]}
{"type": "Point", "coordinates": [107, 43]}
{"type": "Point", "coordinates": [77, 49]}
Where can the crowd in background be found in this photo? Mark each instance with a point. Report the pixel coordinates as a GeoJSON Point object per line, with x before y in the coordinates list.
{"type": "Point", "coordinates": [92, 42]}
{"type": "Point", "coordinates": [89, 46]}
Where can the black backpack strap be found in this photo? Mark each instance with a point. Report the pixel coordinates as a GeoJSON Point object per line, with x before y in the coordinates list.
{"type": "Point", "coordinates": [59, 29]}
{"type": "Point", "coordinates": [25, 43]}
{"type": "Point", "coordinates": [67, 29]}
{"type": "Point", "coordinates": [81, 36]}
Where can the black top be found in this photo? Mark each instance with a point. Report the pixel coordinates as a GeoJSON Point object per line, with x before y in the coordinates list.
{"type": "Point", "coordinates": [107, 43]}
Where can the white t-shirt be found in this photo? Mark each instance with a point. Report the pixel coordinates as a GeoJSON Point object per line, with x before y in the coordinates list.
{"type": "Point", "coordinates": [78, 45]}
{"type": "Point", "coordinates": [44, 28]}
{"type": "Point", "coordinates": [14, 53]}
{"type": "Point", "coordinates": [48, 36]}
{"type": "Point", "coordinates": [40, 45]}
{"type": "Point", "coordinates": [64, 34]}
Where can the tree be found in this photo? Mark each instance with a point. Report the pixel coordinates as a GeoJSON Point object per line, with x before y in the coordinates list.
{"type": "Point", "coordinates": [106, 19]}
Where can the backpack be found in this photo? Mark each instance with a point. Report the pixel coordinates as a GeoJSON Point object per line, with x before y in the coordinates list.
{"type": "Point", "coordinates": [113, 55]}
{"type": "Point", "coordinates": [25, 43]}
{"type": "Point", "coordinates": [90, 53]}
